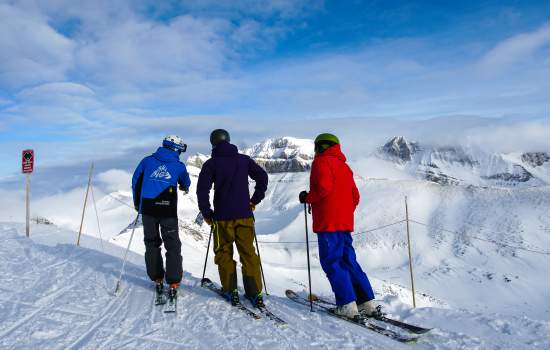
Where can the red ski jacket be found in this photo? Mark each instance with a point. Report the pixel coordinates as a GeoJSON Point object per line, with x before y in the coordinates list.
{"type": "Point", "coordinates": [333, 194]}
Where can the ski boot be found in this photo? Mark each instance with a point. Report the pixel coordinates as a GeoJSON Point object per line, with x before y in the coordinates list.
{"type": "Point", "coordinates": [370, 309]}
{"type": "Point", "coordinates": [348, 310]}
{"type": "Point", "coordinates": [173, 291]}
{"type": "Point", "coordinates": [172, 298]}
{"type": "Point", "coordinates": [232, 297]}
{"type": "Point", "coordinates": [257, 301]}
{"type": "Point", "coordinates": [160, 297]}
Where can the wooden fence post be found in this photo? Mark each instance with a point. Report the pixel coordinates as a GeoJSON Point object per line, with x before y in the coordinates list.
{"type": "Point", "coordinates": [85, 202]}
{"type": "Point", "coordinates": [410, 254]}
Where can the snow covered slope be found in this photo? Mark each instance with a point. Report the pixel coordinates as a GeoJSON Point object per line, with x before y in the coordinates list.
{"type": "Point", "coordinates": [59, 296]}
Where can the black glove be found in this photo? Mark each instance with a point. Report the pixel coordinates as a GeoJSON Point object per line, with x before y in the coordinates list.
{"type": "Point", "coordinates": [302, 197]}
{"type": "Point", "coordinates": [184, 189]}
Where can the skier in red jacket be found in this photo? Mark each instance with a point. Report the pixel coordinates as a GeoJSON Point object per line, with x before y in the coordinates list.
{"type": "Point", "coordinates": [334, 197]}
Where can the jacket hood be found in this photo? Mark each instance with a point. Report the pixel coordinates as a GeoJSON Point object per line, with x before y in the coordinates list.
{"type": "Point", "coordinates": [334, 151]}
{"type": "Point", "coordinates": [166, 155]}
{"type": "Point", "coordinates": [225, 149]}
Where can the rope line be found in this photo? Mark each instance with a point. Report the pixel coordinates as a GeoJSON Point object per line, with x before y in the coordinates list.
{"type": "Point", "coordinates": [97, 218]}
{"type": "Point", "coordinates": [389, 225]}
{"type": "Point", "coordinates": [354, 234]}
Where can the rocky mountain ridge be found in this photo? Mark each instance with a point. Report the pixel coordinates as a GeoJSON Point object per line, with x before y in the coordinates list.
{"type": "Point", "coordinates": [454, 165]}
{"type": "Point", "coordinates": [445, 165]}
{"type": "Point", "coordinates": [279, 155]}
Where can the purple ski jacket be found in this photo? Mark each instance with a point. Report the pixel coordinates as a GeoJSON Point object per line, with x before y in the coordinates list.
{"type": "Point", "coordinates": [229, 170]}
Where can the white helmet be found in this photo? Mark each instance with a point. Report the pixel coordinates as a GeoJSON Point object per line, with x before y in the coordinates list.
{"type": "Point", "coordinates": [175, 143]}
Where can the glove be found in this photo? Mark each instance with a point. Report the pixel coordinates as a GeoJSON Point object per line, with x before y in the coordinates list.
{"type": "Point", "coordinates": [184, 189]}
{"type": "Point", "coordinates": [252, 206]}
{"type": "Point", "coordinates": [302, 197]}
{"type": "Point", "coordinates": [208, 221]}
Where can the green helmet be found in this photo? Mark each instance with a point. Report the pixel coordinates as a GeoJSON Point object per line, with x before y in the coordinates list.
{"type": "Point", "coordinates": [327, 137]}
{"type": "Point", "coordinates": [324, 141]}
{"type": "Point", "coordinates": [218, 136]}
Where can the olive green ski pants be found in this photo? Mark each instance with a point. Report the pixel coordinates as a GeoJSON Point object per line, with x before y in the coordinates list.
{"type": "Point", "coordinates": [240, 231]}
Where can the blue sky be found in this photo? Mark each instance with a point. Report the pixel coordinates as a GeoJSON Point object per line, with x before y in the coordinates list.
{"type": "Point", "coordinates": [105, 78]}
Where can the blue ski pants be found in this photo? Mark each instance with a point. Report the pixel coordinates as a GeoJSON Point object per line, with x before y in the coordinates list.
{"type": "Point", "coordinates": [347, 279]}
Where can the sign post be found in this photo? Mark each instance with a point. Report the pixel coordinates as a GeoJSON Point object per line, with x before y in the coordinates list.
{"type": "Point", "coordinates": [27, 167]}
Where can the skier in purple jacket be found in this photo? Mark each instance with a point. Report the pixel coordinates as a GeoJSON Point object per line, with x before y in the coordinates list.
{"type": "Point", "coordinates": [232, 219]}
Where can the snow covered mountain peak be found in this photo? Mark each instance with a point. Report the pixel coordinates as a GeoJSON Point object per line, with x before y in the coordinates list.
{"type": "Point", "coordinates": [454, 165]}
{"type": "Point", "coordinates": [400, 149]}
{"type": "Point", "coordinates": [278, 155]}
{"type": "Point", "coordinates": [282, 148]}
{"type": "Point", "coordinates": [197, 160]}
{"type": "Point", "coordinates": [283, 155]}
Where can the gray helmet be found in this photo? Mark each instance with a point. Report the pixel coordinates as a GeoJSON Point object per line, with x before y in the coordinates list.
{"type": "Point", "coordinates": [218, 136]}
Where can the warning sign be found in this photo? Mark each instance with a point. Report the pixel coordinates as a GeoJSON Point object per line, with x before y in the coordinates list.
{"type": "Point", "coordinates": [28, 161]}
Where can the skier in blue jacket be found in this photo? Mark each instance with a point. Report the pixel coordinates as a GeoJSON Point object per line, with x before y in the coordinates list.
{"type": "Point", "coordinates": [154, 186]}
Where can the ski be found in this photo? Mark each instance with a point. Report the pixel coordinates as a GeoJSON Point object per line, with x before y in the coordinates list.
{"type": "Point", "coordinates": [403, 325]}
{"type": "Point", "coordinates": [359, 321]}
{"type": "Point", "coordinates": [207, 283]}
{"type": "Point", "coordinates": [279, 321]}
{"type": "Point", "coordinates": [172, 303]}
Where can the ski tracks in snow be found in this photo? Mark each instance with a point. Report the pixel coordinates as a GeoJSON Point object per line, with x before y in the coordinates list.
{"type": "Point", "coordinates": [61, 298]}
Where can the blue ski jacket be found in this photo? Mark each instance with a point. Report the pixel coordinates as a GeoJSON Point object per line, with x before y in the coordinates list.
{"type": "Point", "coordinates": [154, 184]}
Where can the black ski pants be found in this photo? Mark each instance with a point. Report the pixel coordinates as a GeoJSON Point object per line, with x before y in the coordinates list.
{"type": "Point", "coordinates": [172, 244]}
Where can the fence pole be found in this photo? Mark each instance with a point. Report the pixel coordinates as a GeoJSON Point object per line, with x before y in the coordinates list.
{"type": "Point", "coordinates": [410, 254]}
{"type": "Point", "coordinates": [85, 202]}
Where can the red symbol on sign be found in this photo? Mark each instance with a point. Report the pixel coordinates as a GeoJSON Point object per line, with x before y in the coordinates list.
{"type": "Point", "coordinates": [28, 161]}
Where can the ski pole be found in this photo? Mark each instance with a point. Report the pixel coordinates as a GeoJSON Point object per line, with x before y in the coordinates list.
{"type": "Point", "coordinates": [308, 264]}
{"type": "Point", "coordinates": [117, 288]}
{"type": "Point", "coordinates": [259, 257]}
{"type": "Point", "coordinates": [207, 251]}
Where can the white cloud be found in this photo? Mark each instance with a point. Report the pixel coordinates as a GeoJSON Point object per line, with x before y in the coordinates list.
{"type": "Point", "coordinates": [517, 137]}
{"type": "Point", "coordinates": [115, 180]}
{"type": "Point", "coordinates": [515, 49]}
{"type": "Point", "coordinates": [60, 103]}
{"type": "Point", "coordinates": [144, 53]}
{"type": "Point", "coordinates": [30, 50]}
